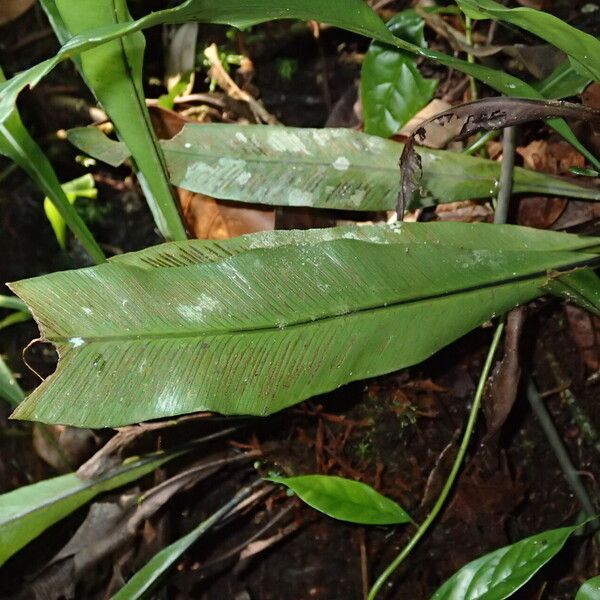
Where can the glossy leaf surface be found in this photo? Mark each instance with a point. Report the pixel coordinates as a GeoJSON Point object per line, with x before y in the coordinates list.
{"type": "Point", "coordinates": [563, 82]}
{"type": "Point", "coordinates": [324, 168]}
{"type": "Point", "coordinates": [29, 510]}
{"type": "Point", "coordinates": [590, 590]}
{"type": "Point", "coordinates": [257, 323]}
{"type": "Point", "coordinates": [582, 48]}
{"type": "Point", "coordinates": [499, 574]}
{"type": "Point", "coordinates": [345, 499]}
{"type": "Point", "coordinates": [354, 15]}
{"type": "Point", "coordinates": [391, 88]}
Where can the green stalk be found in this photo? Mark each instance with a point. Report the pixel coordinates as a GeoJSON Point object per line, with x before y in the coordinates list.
{"type": "Point", "coordinates": [453, 473]}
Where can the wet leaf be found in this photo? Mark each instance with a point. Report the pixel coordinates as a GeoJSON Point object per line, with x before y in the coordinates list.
{"type": "Point", "coordinates": [499, 574]}
{"type": "Point", "coordinates": [345, 499]}
{"type": "Point", "coordinates": [29, 510]}
{"type": "Point", "coordinates": [482, 115]}
{"type": "Point", "coordinates": [322, 168]}
{"type": "Point", "coordinates": [353, 15]}
{"type": "Point", "coordinates": [392, 89]}
{"type": "Point", "coordinates": [590, 590]}
{"type": "Point", "coordinates": [582, 48]}
{"type": "Point", "coordinates": [257, 323]}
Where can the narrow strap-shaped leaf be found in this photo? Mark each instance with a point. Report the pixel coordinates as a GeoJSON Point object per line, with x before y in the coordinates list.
{"type": "Point", "coordinates": [256, 329]}
{"type": "Point", "coordinates": [499, 574]}
{"type": "Point", "coordinates": [354, 15]}
{"type": "Point", "coordinates": [563, 82]}
{"type": "Point", "coordinates": [10, 390]}
{"type": "Point", "coordinates": [324, 168]}
{"type": "Point", "coordinates": [582, 48]}
{"type": "Point", "coordinates": [345, 499]}
{"type": "Point", "coordinates": [29, 510]}
{"type": "Point", "coordinates": [21, 148]}
{"type": "Point", "coordinates": [590, 590]}
{"type": "Point", "coordinates": [113, 72]}
{"type": "Point", "coordinates": [147, 577]}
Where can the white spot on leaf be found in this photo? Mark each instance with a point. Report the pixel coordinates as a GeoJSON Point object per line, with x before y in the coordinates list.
{"type": "Point", "coordinates": [341, 163]}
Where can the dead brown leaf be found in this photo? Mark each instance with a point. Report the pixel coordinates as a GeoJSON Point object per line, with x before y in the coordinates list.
{"type": "Point", "coordinates": [482, 115]}
{"type": "Point", "coordinates": [584, 329]}
{"type": "Point", "coordinates": [12, 9]}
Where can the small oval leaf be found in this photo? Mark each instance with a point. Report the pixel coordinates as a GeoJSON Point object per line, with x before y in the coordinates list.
{"type": "Point", "coordinates": [345, 499]}
{"type": "Point", "coordinates": [500, 573]}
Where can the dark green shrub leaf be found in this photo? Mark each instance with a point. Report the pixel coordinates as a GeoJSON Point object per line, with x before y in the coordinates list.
{"type": "Point", "coordinates": [499, 574]}
{"type": "Point", "coordinates": [257, 323]}
{"type": "Point", "coordinates": [10, 390]}
{"type": "Point", "coordinates": [590, 590]}
{"type": "Point", "coordinates": [392, 89]}
{"type": "Point", "coordinates": [345, 499]}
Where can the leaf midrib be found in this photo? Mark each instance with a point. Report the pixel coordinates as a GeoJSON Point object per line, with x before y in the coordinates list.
{"type": "Point", "coordinates": [141, 337]}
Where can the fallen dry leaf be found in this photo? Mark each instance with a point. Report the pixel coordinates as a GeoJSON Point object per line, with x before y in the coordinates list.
{"type": "Point", "coordinates": [585, 331]}
{"type": "Point", "coordinates": [12, 9]}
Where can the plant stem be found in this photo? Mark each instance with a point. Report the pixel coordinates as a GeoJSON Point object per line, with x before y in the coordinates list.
{"type": "Point", "coordinates": [480, 142]}
{"type": "Point", "coordinates": [453, 473]}
{"type": "Point", "coordinates": [505, 184]}
{"type": "Point", "coordinates": [571, 474]}
{"type": "Point", "coordinates": [470, 57]}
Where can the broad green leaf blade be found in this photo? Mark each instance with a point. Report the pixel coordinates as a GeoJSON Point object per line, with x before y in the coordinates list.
{"type": "Point", "coordinates": [266, 321]}
{"type": "Point", "coordinates": [563, 82]}
{"type": "Point", "coordinates": [10, 390]}
{"type": "Point", "coordinates": [329, 168]}
{"type": "Point", "coordinates": [345, 499]}
{"type": "Point", "coordinates": [499, 574]}
{"type": "Point", "coordinates": [582, 48]}
{"type": "Point", "coordinates": [113, 72]}
{"type": "Point", "coordinates": [590, 590]}
{"type": "Point", "coordinates": [82, 187]}
{"type": "Point", "coordinates": [354, 15]}
{"type": "Point", "coordinates": [147, 577]}
{"type": "Point", "coordinates": [27, 511]}
{"type": "Point", "coordinates": [21, 148]}
{"type": "Point", "coordinates": [391, 88]}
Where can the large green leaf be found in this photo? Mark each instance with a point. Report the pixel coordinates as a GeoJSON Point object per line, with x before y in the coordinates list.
{"type": "Point", "coordinates": [499, 574]}
{"type": "Point", "coordinates": [392, 90]}
{"type": "Point", "coordinates": [255, 324]}
{"type": "Point", "coordinates": [113, 72]}
{"type": "Point", "coordinates": [147, 577]}
{"type": "Point", "coordinates": [345, 499]}
{"type": "Point", "coordinates": [590, 590]}
{"type": "Point", "coordinates": [29, 510]}
{"type": "Point", "coordinates": [582, 48]}
{"type": "Point", "coordinates": [21, 148]}
{"type": "Point", "coordinates": [324, 168]}
{"type": "Point", "coordinates": [354, 15]}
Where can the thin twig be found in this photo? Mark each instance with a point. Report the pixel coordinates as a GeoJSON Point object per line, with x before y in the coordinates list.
{"type": "Point", "coordinates": [571, 474]}
{"type": "Point", "coordinates": [453, 473]}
